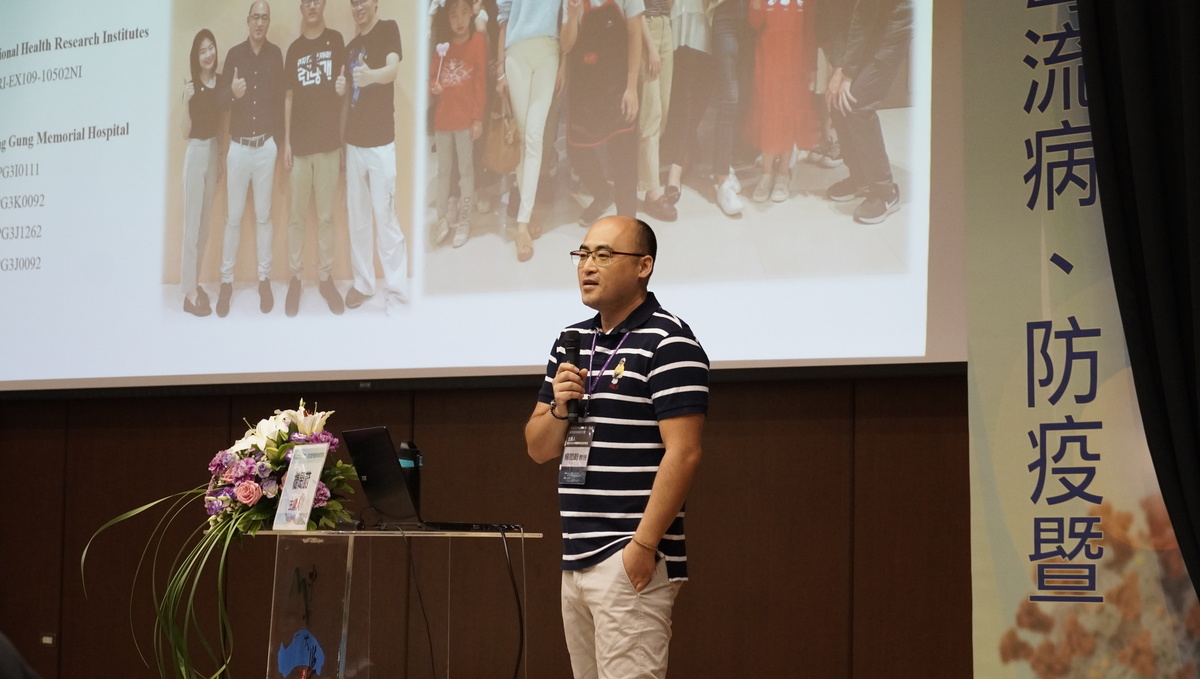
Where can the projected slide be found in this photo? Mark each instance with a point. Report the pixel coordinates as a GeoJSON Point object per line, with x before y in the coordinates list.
{"type": "Point", "coordinates": [230, 192]}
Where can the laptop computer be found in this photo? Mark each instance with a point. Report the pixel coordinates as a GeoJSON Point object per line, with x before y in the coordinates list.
{"type": "Point", "coordinates": [391, 482]}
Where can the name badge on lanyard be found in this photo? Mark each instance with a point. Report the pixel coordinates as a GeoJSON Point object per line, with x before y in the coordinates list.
{"type": "Point", "coordinates": [572, 470]}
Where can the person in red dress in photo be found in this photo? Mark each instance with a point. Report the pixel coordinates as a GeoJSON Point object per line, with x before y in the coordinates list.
{"type": "Point", "coordinates": [781, 115]}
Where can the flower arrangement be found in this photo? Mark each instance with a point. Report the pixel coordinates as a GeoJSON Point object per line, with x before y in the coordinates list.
{"type": "Point", "coordinates": [241, 496]}
{"type": "Point", "coordinates": [247, 478]}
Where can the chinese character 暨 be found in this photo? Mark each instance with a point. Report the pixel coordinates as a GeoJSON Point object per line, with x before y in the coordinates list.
{"type": "Point", "coordinates": [1051, 534]}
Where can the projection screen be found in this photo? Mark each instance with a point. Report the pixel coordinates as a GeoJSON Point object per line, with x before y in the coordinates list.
{"type": "Point", "coordinates": [97, 251]}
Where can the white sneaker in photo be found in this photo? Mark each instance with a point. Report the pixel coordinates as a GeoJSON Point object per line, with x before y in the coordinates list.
{"type": "Point", "coordinates": [440, 230]}
{"type": "Point", "coordinates": [780, 191]}
{"type": "Point", "coordinates": [762, 190]}
{"type": "Point", "coordinates": [728, 199]}
{"type": "Point", "coordinates": [462, 231]}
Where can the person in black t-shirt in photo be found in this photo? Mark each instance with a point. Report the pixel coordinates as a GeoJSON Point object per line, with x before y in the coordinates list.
{"type": "Point", "coordinates": [602, 45]}
{"type": "Point", "coordinates": [312, 146]}
{"type": "Point", "coordinates": [251, 90]}
{"type": "Point", "coordinates": [201, 167]}
{"type": "Point", "coordinates": [367, 84]}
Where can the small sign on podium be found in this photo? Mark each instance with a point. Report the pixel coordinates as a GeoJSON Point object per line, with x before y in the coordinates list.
{"type": "Point", "coordinates": [300, 486]}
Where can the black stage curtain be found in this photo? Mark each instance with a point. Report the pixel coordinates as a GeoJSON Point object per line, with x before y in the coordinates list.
{"type": "Point", "coordinates": [1142, 63]}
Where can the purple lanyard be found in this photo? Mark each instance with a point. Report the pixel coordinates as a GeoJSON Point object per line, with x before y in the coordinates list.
{"type": "Point", "coordinates": [593, 379]}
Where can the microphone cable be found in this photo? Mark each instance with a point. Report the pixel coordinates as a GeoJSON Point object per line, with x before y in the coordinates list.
{"type": "Point", "coordinates": [512, 578]}
{"type": "Point", "coordinates": [412, 568]}
{"type": "Point", "coordinates": [416, 583]}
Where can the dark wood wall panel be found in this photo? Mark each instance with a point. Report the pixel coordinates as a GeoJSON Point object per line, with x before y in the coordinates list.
{"type": "Point", "coordinates": [827, 530]}
{"type": "Point", "coordinates": [33, 448]}
{"type": "Point", "coordinates": [477, 469]}
{"type": "Point", "coordinates": [768, 535]}
{"type": "Point", "coordinates": [121, 454]}
{"type": "Point", "coordinates": [912, 551]}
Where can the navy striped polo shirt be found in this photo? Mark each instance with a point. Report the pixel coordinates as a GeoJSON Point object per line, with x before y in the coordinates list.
{"type": "Point", "coordinates": [658, 371]}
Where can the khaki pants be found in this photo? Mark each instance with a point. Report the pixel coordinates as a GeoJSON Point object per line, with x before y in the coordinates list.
{"type": "Point", "coordinates": [613, 631]}
{"type": "Point", "coordinates": [654, 103]}
{"type": "Point", "coordinates": [314, 174]}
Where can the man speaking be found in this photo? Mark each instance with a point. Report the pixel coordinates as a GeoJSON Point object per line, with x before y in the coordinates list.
{"type": "Point", "coordinates": [623, 404]}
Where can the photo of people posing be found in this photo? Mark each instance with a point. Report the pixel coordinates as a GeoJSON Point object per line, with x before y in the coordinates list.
{"type": "Point", "coordinates": [348, 156]}
{"type": "Point", "coordinates": [745, 128]}
{"type": "Point", "coordinates": [295, 157]}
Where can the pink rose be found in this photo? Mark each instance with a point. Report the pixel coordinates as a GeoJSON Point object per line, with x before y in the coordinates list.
{"type": "Point", "coordinates": [247, 493]}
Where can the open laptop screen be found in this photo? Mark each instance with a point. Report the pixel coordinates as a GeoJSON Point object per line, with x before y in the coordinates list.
{"type": "Point", "coordinates": [391, 489]}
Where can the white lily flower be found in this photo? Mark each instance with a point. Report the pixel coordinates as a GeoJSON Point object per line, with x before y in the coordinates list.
{"type": "Point", "coordinates": [270, 428]}
{"type": "Point", "coordinates": [248, 442]}
{"type": "Point", "coordinates": [307, 423]}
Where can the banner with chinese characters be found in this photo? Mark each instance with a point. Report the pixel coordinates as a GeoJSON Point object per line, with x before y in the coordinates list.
{"type": "Point", "coordinates": [1075, 568]}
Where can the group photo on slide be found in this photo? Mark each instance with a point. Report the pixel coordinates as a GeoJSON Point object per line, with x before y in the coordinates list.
{"type": "Point", "coordinates": [742, 128]}
{"type": "Point", "coordinates": [290, 124]}
{"type": "Point", "coordinates": [749, 125]}
{"type": "Point", "coordinates": [413, 170]}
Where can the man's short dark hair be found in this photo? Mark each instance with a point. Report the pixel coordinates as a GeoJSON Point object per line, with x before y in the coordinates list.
{"type": "Point", "coordinates": [647, 241]}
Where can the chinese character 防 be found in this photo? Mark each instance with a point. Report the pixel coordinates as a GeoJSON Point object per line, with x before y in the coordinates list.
{"type": "Point", "coordinates": [1037, 354]}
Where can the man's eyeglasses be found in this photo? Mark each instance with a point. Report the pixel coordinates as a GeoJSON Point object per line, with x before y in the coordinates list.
{"type": "Point", "coordinates": [310, 3]}
{"type": "Point", "coordinates": [358, 3]}
{"type": "Point", "coordinates": [601, 256]}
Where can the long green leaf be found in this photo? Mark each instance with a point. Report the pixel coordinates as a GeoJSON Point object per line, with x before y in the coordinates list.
{"type": "Point", "coordinates": [112, 522]}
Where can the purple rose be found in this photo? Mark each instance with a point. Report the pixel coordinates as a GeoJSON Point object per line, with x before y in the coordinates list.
{"type": "Point", "coordinates": [213, 505]}
{"type": "Point", "coordinates": [263, 469]}
{"type": "Point", "coordinates": [270, 487]}
{"type": "Point", "coordinates": [217, 502]}
{"type": "Point", "coordinates": [242, 470]}
{"type": "Point", "coordinates": [221, 462]}
{"type": "Point", "coordinates": [324, 437]}
{"type": "Point", "coordinates": [321, 496]}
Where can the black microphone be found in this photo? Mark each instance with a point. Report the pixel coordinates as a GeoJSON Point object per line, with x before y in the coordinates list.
{"type": "Point", "coordinates": [570, 344]}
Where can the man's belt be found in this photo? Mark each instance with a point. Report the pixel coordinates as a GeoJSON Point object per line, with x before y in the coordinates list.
{"type": "Point", "coordinates": [252, 142]}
